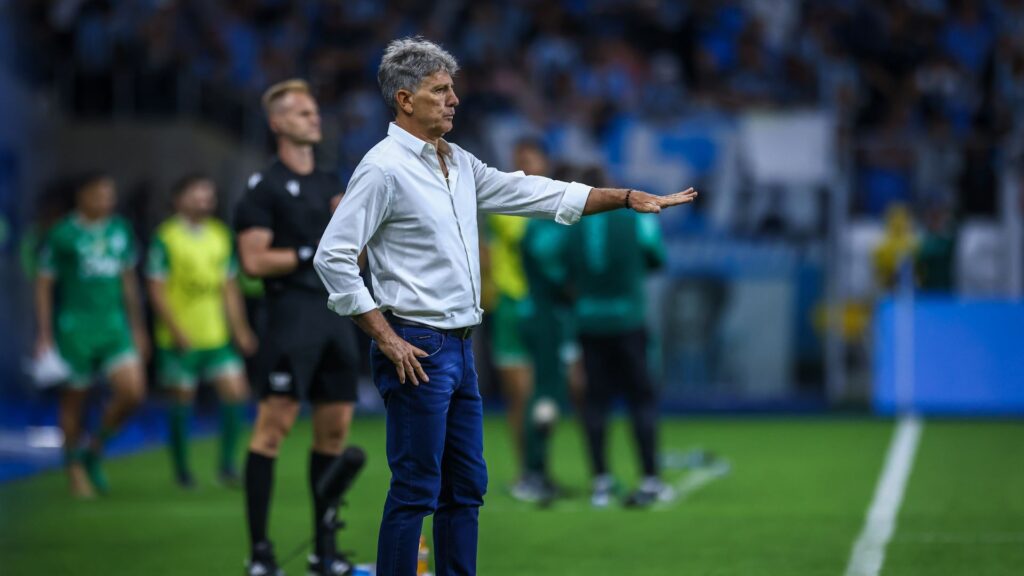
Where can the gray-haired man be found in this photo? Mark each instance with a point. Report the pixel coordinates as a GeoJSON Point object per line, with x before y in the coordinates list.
{"type": "Point", "coordinates": [413, 203]}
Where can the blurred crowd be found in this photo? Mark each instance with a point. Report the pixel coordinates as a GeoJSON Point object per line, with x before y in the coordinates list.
{"type": "Point", "coordinates": [926, 98]}
{"type": "Point", "coordinates": [924, 92]}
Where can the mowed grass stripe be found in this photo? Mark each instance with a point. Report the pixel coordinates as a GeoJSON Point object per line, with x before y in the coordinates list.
{"type": "Point", "coordinates": [792, 503]}
{"type": "Point", "coordinates": [963, 512]}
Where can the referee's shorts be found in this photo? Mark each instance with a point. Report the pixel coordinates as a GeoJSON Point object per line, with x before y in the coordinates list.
{"type": "Point", "coordinates": [308, 352]}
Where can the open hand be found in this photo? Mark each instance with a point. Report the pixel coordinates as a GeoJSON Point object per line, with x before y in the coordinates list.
{"type": "Point", "coordinates": [649, 203]}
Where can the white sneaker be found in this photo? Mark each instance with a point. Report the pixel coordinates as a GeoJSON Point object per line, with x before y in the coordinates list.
{"type": "Point", "coordinates": [527, 489]}
{"type": "Point", "coordinates": [601, 497]}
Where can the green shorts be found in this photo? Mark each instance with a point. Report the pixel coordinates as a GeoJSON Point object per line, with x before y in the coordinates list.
{"type": "Point", "coordinates": [176, 369]}
{"type": "Point", "coordinates": [506, 338]}
{"type": "Point", "coordinates": [92, 345]}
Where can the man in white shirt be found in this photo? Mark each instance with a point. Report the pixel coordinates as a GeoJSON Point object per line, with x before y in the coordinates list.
{"type": "Point", "coordinates": [412, 203]}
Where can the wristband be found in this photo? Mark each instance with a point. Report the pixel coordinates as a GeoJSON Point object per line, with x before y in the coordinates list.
{"type": "Point", "coordinates": [626, 202]}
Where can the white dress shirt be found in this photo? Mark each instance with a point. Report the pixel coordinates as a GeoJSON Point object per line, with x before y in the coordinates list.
{"type": "Point", "coordinates": [420, 230]}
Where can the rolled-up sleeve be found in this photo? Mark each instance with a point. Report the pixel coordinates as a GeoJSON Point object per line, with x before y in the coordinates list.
{"type": "Point", "coordinates": [521, 195]}
{"type": "Point", "coordinates": [361, 211]}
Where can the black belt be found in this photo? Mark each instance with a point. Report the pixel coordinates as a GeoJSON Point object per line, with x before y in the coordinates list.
{"type": "Point", "coordinates": [461, 333]}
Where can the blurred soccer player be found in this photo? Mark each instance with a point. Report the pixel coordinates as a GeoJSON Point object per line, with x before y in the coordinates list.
{"type": "Point", "coordinates": [545, 325]}
{"type": "Point", "coordinates": [191, 269]}
{"type": "Point", "coordinates": [510, 356]}
{"type": "Point", "coordinates": [87, 303]}
{"type": "Point", "coordinates": [308, 354]}
{"type": "Point", "coordinates": [609, 257]}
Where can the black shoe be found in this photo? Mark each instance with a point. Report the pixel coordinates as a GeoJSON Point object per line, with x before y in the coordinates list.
{"type": "Point", "coordinates": [552, 491]}
{"type": "Point", "coordinates": [640, 499]}
{"type": "Point", "coordinates": [651, 491]}
{"type": "Point", "coordinates": [336, 564]}
{"type": "Point", "coordinates": [263, 562]}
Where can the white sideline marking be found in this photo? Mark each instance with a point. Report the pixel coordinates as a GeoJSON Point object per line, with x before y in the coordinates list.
{"type": "Point", "coordinates": [692, 482]}
{"type": "Point", "coordinates": [869, 550]}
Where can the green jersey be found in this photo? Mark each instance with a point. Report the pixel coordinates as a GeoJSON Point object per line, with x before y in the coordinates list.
{"type": "Point", "coordinates": [543, 247]}
{"type": "Point", "coordinates": [609, 256]}
{"type": "Point", "coordinates": [87, 261]}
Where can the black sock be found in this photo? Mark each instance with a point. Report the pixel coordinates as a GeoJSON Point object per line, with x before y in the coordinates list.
{"type": "Point", "coordinates": [259, 484]}
{"type": "Point", "coordinates": [596, 432]}
{"type": "Point", "coordinates": [319, 462]}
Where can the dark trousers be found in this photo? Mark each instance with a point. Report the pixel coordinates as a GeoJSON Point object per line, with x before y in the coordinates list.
{"type": "Point", "coordinates": [617, 364]}
{"type": "Point", "coordinates": [435, 452]}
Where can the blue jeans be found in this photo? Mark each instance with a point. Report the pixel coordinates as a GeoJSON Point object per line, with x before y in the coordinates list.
{"type": "Point", "coordinates": [436, 454]}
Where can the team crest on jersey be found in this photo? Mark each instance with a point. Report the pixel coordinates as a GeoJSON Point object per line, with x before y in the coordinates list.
{"type": "Point", "coordinates": [254, 180]}
{"type": "Point", "coordinates": [293, 187]}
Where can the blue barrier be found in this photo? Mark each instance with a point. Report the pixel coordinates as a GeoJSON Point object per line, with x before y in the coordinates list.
{"type": "Point", "coordinates": [968, 356]}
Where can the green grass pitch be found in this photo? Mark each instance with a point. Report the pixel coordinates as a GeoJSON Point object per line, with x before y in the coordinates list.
{"type": "Point", "coordinates": [792, 505]}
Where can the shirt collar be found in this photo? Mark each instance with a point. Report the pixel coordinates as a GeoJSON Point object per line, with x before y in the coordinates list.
{"type": "Point", "coordinates": [414, 144]}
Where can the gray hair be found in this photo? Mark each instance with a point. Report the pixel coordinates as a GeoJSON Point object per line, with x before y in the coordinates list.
{"type": "Point", "coordinates": [406, 62]}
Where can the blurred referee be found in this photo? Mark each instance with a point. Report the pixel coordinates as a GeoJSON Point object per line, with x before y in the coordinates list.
{"type": "Point", "coordinates": [308, 354]}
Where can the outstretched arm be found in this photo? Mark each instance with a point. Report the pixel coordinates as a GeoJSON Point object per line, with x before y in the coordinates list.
{"type": "Point", "coordinates": [535, 196]}
{"type": "Point", "coordinates": [605, 199]}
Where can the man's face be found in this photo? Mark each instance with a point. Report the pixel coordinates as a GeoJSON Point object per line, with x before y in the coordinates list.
{"type": "Point", "coordinates": [433, 104]}
{"type": "Point", "coordinates": [199, 200]}
{"type": "Point", "coordinates": [98, 198]}
{"type": "Point", "coordinates": [531, 161]}
{"type": "Point", "coordinates": [296, 117]}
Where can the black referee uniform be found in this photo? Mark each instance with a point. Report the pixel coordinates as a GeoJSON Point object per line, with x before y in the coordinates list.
{"type": "Point", "coordinates": [307, 352]}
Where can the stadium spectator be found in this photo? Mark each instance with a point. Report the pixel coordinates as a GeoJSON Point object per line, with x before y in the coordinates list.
{"type": "Point", "coordinates": [895, 252]}
{"type": "Point", "coordinates": [951, 59]}
{"type": "Point", "coordinates": [413, 202]}
{"type": "Point", "coordinates": [88, 310]}
{"type": "Point", "coordinates": [306, 356]}
{"type": "Point", "coordinates": [935, 255]}
{"type": "Point", "coordinates": [191, 269]}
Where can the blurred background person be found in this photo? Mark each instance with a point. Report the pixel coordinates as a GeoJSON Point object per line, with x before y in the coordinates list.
{"type": "Point", "coordinates": [88, 309]}
{"type": "Point", "coordinates": [192, 270]}
{"type": "Point", "coordinates": [609, 258]}
{"type": "Point", "coordinates": [509, 356]}
{"type": "Point", "coordinates": [308, 353]}
{"type": "Point", "coordinates": [936, 253]}
{"type": "Point", "coordinates": [546, 327]}
{"type": "Point", "coordinates": [895, 252]}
